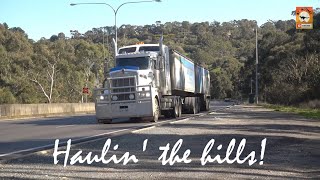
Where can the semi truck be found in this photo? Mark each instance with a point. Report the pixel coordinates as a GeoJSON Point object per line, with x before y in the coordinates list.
{"type": "Point", "coordinates": [150, 80]}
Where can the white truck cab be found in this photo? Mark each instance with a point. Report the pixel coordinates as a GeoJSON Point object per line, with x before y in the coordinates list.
{"type": "Point", "coordinates": [130, 89]}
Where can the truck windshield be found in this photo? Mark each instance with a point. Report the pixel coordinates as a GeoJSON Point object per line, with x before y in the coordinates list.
{"type": "Point", "coordinates": [127, 50]}
{"type": "Point", "coordinates": [140, 62]}
{"type": "Point", "coordinates": [149, 48]}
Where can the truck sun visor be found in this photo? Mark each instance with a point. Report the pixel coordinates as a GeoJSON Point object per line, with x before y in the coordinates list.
{"type": "Point", "coordinates": [124, 67]}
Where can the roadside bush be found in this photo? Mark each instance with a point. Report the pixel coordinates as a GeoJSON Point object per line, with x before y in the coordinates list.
{"type": "Point", "coordinates": [314, 104]}
{"type": "Point", "coordinates": [284, 93]}
{"type": "Point", "coordinates": [6, 97]}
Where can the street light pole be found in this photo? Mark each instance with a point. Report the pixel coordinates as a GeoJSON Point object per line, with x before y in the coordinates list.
{"type": "Point", "coordinates": [257, 60]}
{"type": "Point", "coordinates": [115, 11]}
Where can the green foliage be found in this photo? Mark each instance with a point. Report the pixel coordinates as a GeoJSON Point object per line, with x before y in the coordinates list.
{"type": "Point", "coordinates": [6, 97]}
{"type": "Point", "coordinates": [306, 112]}
{"type": "Point", "coordinates": [46, 71]}
{"type": "Point", "coordinates": [56, 69]}
{"type": "Point", "coordinates": [288, 63]}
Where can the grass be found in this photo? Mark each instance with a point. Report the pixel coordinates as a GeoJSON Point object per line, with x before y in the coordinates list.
{"type": "Point", "coordinates": [306, 112]}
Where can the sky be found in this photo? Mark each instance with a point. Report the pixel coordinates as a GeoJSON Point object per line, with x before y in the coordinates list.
{"type": "Point", "coordinates": [44, 18]}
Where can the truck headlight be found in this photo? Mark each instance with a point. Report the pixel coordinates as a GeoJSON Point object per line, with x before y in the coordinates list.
{"type": "Point", "coordinates": [131, 96]}
{"type": "Point", "coordinates": [142, 95]}
{"type": "Point", "coordinates": [114, 97]}
{"type": "Point", "coordinates": [103, 98]}
{"type": "Point", "coordinates": [147, 94]}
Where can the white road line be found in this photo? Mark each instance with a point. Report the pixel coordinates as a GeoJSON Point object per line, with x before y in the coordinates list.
{"type": "Point", "coordinates": [50, 145]}
{"type": "Point", "coordinates": [102, 134]}
{"type": "Point", "coordinates": [64, 126]}
{"type": "Point", "coordinates": [143, 129]}
{"type": "Point", "coordinates": [178, 121]}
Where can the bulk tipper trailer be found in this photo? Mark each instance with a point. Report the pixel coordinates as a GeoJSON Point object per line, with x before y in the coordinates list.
{"type": "Point", "coordinates": [150, 80]}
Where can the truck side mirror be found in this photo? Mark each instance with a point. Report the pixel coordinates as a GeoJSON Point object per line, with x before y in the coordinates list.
{"type": "Point", "coordinates": [154, 64]}
{"type": "Point", "coordinates": [161, 62]}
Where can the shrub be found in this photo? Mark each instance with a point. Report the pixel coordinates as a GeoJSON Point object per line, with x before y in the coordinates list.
{"type": "Point", "coordinates": [6, 97]}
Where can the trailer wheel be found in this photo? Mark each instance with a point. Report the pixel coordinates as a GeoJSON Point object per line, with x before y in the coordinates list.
{"type": "Point", "coordinates": [186, 105]}
{"type": "Point", "coordinates": [198, 104]}
{"type": "Point", "coordinates": [156, 112]}
{"type": "Point", "coordinates": [194, 108]}
{"type": "Point", "coordinates": [195, 105]}
{"type": "Point", "coordinates": [190, 105]}
{"type": "Point", "coordinates": [176, 112]}
{"type": "Point", "coordinates": [207, 104]}
{"type": "Point", "coordinates": [180, 108]}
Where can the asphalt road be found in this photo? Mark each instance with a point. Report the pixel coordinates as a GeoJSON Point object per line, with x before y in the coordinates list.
{"type": "Point", "coordinates": [19, 137]}
{"type": "Point", "coordinates": [291, 150]}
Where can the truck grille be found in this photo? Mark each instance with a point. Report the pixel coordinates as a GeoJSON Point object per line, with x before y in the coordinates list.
{"type": "Point", "coordinates": [123, 82]}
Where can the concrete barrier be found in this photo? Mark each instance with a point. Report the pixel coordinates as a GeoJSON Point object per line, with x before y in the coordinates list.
{"type": "Point", "coordinates": [33, 110]}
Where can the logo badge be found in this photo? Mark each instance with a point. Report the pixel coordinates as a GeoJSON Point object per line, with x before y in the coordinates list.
{"type": "Point", "coordinates": [304, 17]}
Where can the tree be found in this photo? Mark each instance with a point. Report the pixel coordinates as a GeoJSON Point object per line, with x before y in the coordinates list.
{"type": "Point", "coordinates": [56, 69]}
{"type": "Point", "coordinates": [44, 69]}
{"type": "Point", "coordinates": [54, 38]}
{"type": "Point", "coordinates": [87, 56]}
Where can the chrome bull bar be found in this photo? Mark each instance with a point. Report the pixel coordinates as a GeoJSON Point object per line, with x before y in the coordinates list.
{"type": "Point", "coordinates": [115, 95]}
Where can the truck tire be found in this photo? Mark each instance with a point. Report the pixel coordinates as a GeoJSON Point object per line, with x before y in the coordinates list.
{"type": "Point", "coordinates": [186, 105]}
{"type": "Point", "coordinates": [194, 108]}
{"type": "Point", "coordinates": [207, 104]}
{"type": "Point", "coordinates": [203, 103]}
{"type": "Point", "coordinates": [195, 105]}
{"type": "Point", "coordinates": [180, 108]}
{"type": "Point", "coordinates": [198, 104]}
{"type": "Point", "coordinates": [190, 105]}
{"type": "Point", "coordinates": [156, 113]}
{"type": "Point", "coordinates": [104, 121]}
{"type": "Point", "coordinates": [177, 109]}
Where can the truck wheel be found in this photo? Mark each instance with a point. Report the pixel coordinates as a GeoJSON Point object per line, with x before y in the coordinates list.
{"type": "Point", "coordinates": [156, 113]}
{"type": "Point", "coordinates": [202, 103]}
{"type": "Point", "coordinates": [180, 108]}
{"type": "Point", "coordinates": [207, 104]}
{"type": "Point", "coordinates": [176, 112]}
{"type": "Point", "coordinates": [186, 105]}
{"type": "Point", "coordinates": [194, 107]}
{"type": "Point", "coordinates": [198, 105]}
{"type": "Point", "coordinates": [190, 105]}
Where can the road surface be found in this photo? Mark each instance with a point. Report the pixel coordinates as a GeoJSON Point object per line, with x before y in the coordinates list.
{"type": "Point", "coordinates": [27, 135]}
{"type": "Point", "coordinates": [291, 150]}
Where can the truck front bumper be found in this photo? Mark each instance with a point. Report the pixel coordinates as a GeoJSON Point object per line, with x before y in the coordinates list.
{"type": "Point", "coordinates": [124, 110]}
